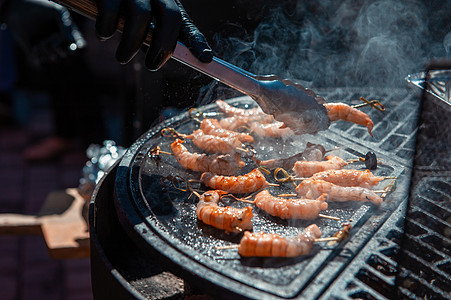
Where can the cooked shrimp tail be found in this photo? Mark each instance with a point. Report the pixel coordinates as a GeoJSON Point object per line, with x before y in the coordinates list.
{"type": "Point", "coordinates": [342, 111]}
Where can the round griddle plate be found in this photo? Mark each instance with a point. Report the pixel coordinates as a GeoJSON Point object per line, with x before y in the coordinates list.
{"type": "Point", "coordinates": [160, 217]}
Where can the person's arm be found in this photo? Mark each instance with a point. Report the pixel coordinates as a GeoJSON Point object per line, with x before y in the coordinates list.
{"type": "Point", "coordinates": [166, 18]}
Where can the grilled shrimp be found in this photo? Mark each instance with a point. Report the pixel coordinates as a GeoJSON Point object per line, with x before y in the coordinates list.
{"type": "Point", "coordinates": [311, 188]}
{"type": "Point", "coordinates": [273, 245]}
{"type": "Point", "coordinates": [342, 111]}
{"type": "Point", "coordinates": [214, 143]}
{"type": "Point", "coordinates": [243, 184]}
{"type": "Point", "coordinates": [233, 123]}
{"type": "Point", "coordinates": [227, 164]}
{"type": "Point", "coordinates": [273, 130]}
{"type": "Point", "coordinates": [229, 218]}
{"type": "Point", "coordinates": [306, 209]}
{"type": "Point", "coordinates": [238, 112]}
{"type": "Point", "coordinates": [347, 177]}
{"type": "Point", "coordinates": [308, 168]}
{"type": "Point", "coordinates": [212, 126]}
{"type": "Point", "coordinates": [312, 152]}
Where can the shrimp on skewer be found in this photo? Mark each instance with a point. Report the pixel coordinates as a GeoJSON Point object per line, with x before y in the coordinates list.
{"type": "Point", "coordinates": [306, 209]}
{"type": "Point", "coordinates": [228, 218]}
{"type": "Point", "coordinates": [342, 111]}
{"type": "Point", "coordinates": [213, 127]}
{"type": "Point", "coordinates": [312, 152]}
{"type": "Point", "coordinates": [239, 112]}
{"type": "Point", "coordinates": [207, 142]}
{"type": "Point", "coordinates": [273, 245]}
{"type": "Point", "coordinates": [214, 143]}
{"type": "Point", "coordinates": [227, 164]}
{"type": "Point", "coordinates": [243, 184]}
{"type": "Point", "coordinates": [311, 188]}
{"type": "Point", "coordinates": [273, 130]}
{"type": "Point", "coordinates": [348, 177]}
{"type": "Point", "coordinates": [308, 168]}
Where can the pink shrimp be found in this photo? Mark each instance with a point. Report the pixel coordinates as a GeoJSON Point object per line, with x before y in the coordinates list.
{"type": "Point", "coordinates": [308, 168]}
{"type": "Point", "coordinates": [232, 123]}
{"type": "Point", "coordinates": [229, 218]}
{"type": "Point", "coordinates": [227, 164]}
{"type": "Point", "coordinates": [273, 130]}
{"type": "Point", "coordinates": [346, 177]}
{"type": "Point", "coordinates": [342, 111]}
{"type": "Point", "coordinates": [290, 208]}
{"type": "Point", "coordinates": [311, 188]}
{"type": "Point", "coordinates": [273, 245]}
{"type": "Point", "coordinates": [214, 143]}
{"type": "Point", "coordinates": [212, 126]}
{"type": "Point", "coordinates": [238, 112]}
{"type": "Point", "coordinates": [243, 184]}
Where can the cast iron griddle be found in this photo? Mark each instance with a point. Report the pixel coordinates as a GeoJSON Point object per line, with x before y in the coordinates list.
{"type": "Point", "coordinates": [159, 217]}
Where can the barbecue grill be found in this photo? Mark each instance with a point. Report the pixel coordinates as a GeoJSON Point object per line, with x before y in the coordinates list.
{"type": "Point", "coordinates": [147, 243]}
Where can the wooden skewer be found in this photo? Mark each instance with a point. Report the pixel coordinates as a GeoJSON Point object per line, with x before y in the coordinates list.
{"type": "Point", "coordinates": [329, 217]}
{"type": "Point", "coordinates": [227, 247]}
{"type": "Point", "coordinates": [373, 103]}
{"type": "Point", "coordinates": [360, 159]}
{"type": "Point", "coordinates": [287, 195]}
{"type": "Point", "coordinates": [327, 239]}
{"type": "Point", "coordinates": [318, 240]}
{"type": "Point", "coordinates": [157, 151]}
{"type": "Point", "coordinates": [333, 149]}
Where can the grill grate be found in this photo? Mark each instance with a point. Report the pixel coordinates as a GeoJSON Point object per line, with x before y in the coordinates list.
{"type": "Point", "coordinates": [425, 261]}
{"type": "Point", "coordinates": [394, 129]}
{"type": "Point", "coordinates": [409, 256]}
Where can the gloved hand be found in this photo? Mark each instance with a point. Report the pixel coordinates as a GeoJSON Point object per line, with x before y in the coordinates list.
{"type": "Point", "coordinates": [171, 22]}
{"type": "Point", "coordinates": [43, 29]}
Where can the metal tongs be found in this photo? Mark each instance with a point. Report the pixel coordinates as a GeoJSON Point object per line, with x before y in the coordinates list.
{"type": "Point", "coordinates": [283, 99]}
{"type": "Point", "coordinates": [280, 98]}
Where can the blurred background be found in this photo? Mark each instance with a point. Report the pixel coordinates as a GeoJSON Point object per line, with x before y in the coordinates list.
{"type": "Point", "coordinates": [62, 90]}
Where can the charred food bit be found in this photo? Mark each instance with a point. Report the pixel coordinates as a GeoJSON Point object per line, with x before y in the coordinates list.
{"type": "Point", "coordinates": [371, 160]}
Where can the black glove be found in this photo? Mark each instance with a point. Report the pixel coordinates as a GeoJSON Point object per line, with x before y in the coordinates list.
{"type": "Point", "coordinates": [171, 21]}
{"type": "Point", "coordinates": [44, 30]}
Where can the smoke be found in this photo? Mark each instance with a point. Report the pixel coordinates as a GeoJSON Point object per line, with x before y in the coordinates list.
{"type": "Point", "coordinates": [344, 43]}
